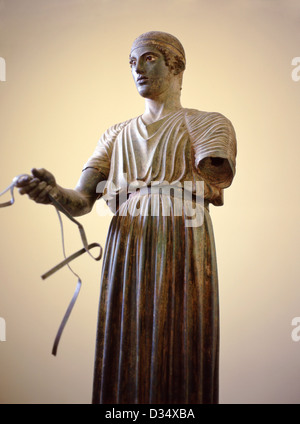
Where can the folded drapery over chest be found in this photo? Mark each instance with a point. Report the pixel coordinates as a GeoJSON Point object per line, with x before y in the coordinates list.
{"type": "Point", "coordinates": [188, 145]}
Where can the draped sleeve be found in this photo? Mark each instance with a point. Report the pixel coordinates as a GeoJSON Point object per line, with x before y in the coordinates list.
{"type": "Point", "coordinates": [101, 157]}
{"type": "Point", "coordinates": [214, 142]}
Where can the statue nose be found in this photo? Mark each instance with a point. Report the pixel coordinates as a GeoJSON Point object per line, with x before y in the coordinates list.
{"type": "Point", "coordinates": [140, 67]}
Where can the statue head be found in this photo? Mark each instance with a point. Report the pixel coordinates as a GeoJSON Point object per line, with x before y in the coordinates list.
{"type": "Point", "coordinates": [157, 60]}
{"type": "Point", "coordinates": [167, 44]}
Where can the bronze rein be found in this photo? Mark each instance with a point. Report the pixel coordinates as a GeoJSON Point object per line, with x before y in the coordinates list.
{"type": "Point", "coordinates": [86, 249]}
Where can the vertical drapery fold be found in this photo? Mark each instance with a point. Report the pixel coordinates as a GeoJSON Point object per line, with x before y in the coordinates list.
{"type": "Point", "coordinates": [161, 307]}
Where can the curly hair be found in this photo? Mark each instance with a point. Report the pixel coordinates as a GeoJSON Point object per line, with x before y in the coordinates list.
{"type": "Point", "coordinates": [174, 62]}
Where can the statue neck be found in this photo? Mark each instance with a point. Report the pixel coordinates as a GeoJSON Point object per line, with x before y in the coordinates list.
{"type": "Point", "coordinates": [156, 109]}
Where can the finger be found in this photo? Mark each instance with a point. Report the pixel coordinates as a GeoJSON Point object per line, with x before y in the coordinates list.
{"type": "Point", "coordinates": [43, 174]}
{"type": "Point", "coordinates": [35, 192]}
{"type": "Point", "coordinates": [26, 189]}
{"type": "Point", "coordinates": [43, 197]}
{"type": "Point", "coordinates": [22, 180]}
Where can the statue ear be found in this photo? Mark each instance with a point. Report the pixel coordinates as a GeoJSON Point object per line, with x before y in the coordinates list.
{"type": "Point", "coordinates": [177, 71]}
{"type": "Point", "coordinates": [177, 65]}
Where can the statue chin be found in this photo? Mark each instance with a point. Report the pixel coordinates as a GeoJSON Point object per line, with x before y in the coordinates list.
{"type": "Point", "coordinates": [148, 92]}
{"type": "Point", "coordinates": [145, 91]}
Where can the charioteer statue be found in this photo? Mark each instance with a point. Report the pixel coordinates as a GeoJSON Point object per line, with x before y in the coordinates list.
{"type": "Point", "coordinates": [158, 326]}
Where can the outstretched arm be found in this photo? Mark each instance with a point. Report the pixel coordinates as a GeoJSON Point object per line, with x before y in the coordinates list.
{"type": "Point", "coordinates": [77, 202]}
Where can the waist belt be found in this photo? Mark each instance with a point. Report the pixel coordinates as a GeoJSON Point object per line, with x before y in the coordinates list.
{"type": "Point", "coordinates": [87, 247]}
{"type": "Point", "coordinates": [173, 191]}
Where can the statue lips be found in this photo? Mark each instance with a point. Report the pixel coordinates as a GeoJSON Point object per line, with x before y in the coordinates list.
{"type": "Point", "coordinates": [142, 80]}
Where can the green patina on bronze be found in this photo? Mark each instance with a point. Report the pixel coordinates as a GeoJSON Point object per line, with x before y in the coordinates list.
{"type": "Point", "coordinates": [158, 326]}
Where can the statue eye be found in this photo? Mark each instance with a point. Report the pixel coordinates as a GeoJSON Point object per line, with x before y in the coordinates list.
{"type": "Point", "coordinates": [150, 58]}
{"type": "Point", "coordinates": [132, 62]}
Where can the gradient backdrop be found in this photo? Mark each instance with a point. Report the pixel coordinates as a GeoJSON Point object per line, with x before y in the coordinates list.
{"type": "Point", "coordinates": [67, 80]}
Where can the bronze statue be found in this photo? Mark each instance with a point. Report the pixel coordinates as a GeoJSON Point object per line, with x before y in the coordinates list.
{"type": "Point", "coordinates": [158, 327]}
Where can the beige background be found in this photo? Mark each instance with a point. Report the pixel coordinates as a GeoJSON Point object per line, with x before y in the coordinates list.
{"type": "Point", "coordinates": [68, 79]}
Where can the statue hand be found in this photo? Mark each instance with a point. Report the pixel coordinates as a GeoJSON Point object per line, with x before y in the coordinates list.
{"type": "Point", "coordinates": [38, 186]}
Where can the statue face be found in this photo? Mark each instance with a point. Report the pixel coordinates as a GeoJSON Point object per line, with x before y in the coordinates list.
{"type": "Point", "coordinates": [151, 75]}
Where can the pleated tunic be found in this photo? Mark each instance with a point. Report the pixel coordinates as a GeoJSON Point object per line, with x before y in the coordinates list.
{"type": "Point", "coordinates": [158, 325]}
